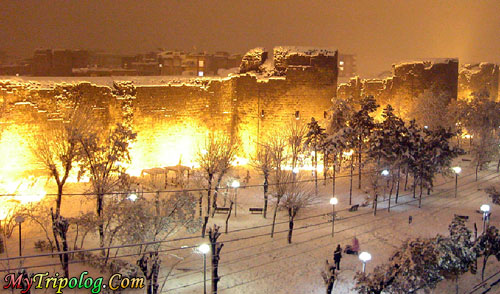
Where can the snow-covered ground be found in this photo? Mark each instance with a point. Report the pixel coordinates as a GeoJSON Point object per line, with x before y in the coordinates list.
{"type": "Point", "coordinates": [252, 262]}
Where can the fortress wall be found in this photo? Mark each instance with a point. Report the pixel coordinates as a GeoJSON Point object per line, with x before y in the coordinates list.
{"type": "Point", "coordinates": [172, 120]}
{"type": "Point", "coordinates": [408, 82]}
{"type": "Point", "coordinates": [482, 77]}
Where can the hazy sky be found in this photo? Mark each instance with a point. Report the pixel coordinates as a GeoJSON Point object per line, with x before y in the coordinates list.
{"type": "Point", "coordinates": [379, 32]}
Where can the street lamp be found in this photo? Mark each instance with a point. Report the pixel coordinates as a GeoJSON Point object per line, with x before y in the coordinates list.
{"type": "Point", "coordinates": [365, 257]}
{"type": "Point", "coordinates": [20, 220]}
{"type": "Point", "coordinates": [385, 173]}
{"type": "Point", "coordinates": [485, 208]}
{"type": "Point", "coordinates": [204, 249]}
{"type": "Point", "coordinates": [457, 170]}
{"type": "Point", "coordinates": [235, 184]}
{"type": "Point", "coordinates": [349, 155]}
{"type": "Point", "coordinates": [333, 202]}
{"type": "Point", "coordinates": [132, 197]}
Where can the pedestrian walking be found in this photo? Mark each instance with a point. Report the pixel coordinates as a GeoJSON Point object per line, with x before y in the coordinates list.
{"type": "Point", "coordinates": [337, 256]}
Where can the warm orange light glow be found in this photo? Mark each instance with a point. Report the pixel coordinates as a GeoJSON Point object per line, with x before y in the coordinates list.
{"type": "Point", "coordinates": [349, 153]}
{"type": "Point", "coordinates": [167, 146]}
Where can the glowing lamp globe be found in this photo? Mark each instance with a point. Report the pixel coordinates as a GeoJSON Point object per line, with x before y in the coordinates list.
{"type": "Point", "coordinates": [334, 201]}
{"type": "Point", "coordinates": [132, 197]}
{"type": "Point", "coordinates": [365, 256]}
{"type": "Point", "coordinates": [485, 208]}
{"type": "Point", "coordinates": [235, 184]}
{"type": "Point", "coordinates": [457, 169]}
{"type": "Point", "coordinates": [204, 248]}
{"type": "Point", "coordinates": [385, 172]}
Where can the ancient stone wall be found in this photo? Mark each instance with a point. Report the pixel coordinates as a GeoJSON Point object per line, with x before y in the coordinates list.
{"type": "Point", "coordinates": [172, 120]}
{"type": "Point", "coordinates": [408, 82]}
{"type": "Point", "coordinates": [478, 78]}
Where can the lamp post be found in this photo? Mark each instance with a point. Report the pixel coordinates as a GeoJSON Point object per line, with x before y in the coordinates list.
{"type": "Point", "coordinates": [349, 155]}
{"type": "Point", "coordinates": [235, 184]}
{"type": "Point", "coordinates": [365, 257]}
{"type": "Point", "coordinates": [20, 220]}
{"type": "Point", "coordinates": [456, 170]}
{"type": "Point", "coordinates": [485, 208]}
{"type": "Point", "coordinates": [385, 173]}
{"type": "Point", "coordinates": [333, 202]}
{"type": "Point", "coordinates": [204, 249]}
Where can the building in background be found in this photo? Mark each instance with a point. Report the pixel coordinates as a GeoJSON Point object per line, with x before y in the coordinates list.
{"type": "Point", "coordinates": [48, 62]}
{"type": "Point", "coordinates": [347, 65]}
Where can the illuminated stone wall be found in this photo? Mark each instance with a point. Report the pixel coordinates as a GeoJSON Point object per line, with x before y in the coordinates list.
{"type": "Point", "coordinates": [409, 80]}
{"type": "Point", "coordinates": [173, 119]}
{"type": "Point", "coordinates": [478, 78]}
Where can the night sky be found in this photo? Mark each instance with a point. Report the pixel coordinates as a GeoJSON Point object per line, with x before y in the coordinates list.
{"type": "Point", "coordinates": [379, 32]}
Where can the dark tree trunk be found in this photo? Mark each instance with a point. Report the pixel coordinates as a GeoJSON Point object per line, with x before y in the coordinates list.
{"type": "Point", "coordinates": [485, 260]}
{"type": "Point", "coordinates": [329, 277]}
{"type": "Point", "coordinates": [100, 200]}
{"type": "Point", "coordinates": [477, 168]}
{"type": "Point", "coordinates": [325, 166]}
{"type": "Point", "coordinates": [397, 185]}
{"type": "Point", "coordinates": [266, 187]}
{"type": "Point", "coordinates": [274, 216]}
{"type": "Point", "coordinates": [350, 184]}
{"type": "Point", "coordinates": [375, 203]}
{"type": "Point", "coordinates": [420, 195]}
{"type": "Point", "coordinates": [216, 248]}
{"type": "Point", "coordinates": [329, 288]}
{"type": "Point", "coordinates": [59, 198]}
{"type": "Point", "coordinates": [316, 171]}
{"type": "Point", "coordinates": [334, 175]}
{"type": "Point", "coordinates": [390, 195]}
{"type": "Point", "coordinates": [150, 267]}
{"type": "Point", "coordinates": [406, 179]}
{"type": "Point", "coordinates": [216, 193]}
{"type": "Point", "coordinates": [209, 193]}
{"type": "Point", "coordinates": [60, 227]}
{"type": "Point", "coordinates": [414, 185]}
{"type": "Point", "coordinates": [360, 148]}
{"type": "Point", "coordinates": [229, 215]}
{"type": "Point", "coordinates": [204, 227]}
{"type": "Point", "coordinates": [291, 215]}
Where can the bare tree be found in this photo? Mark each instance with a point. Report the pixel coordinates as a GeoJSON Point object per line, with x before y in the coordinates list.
{"type": "Point", "coordinates": [151, 221]}
{"type": "Point", "coordinates": [295, 133]}
{"type": "Point", "coordinates": [213, 235]}
{"type": "Point", "coordinates": [263, 162]}
{"type": "Point", "coordinates": [225, 159]}
{"type": "Point", "coordinates": [58, 149]}
{"type": "Point", "coordinates": [60, 226]}
{"type": "Point", "coordinates": [314, 139]}
{"type": "Point", "coordinates": [277, 149]}
{"type": "Point", "coordinates": [329, 276]}
{"type": "Point", "coordinates": [103, 154]}
{"type": "Point", "coordinates": [215, 156]}
{"type": "Point", "coordinates": [296, 195]}
{"type": "Point", "coordinates": [38, 213]}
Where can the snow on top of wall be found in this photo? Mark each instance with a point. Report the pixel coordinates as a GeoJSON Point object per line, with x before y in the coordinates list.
{"type": "Point", "coordinates": [51, 82]}
{"type": "Point", "coordinates": [285, 51]}
{"type": "Point", "coordinates": [476, 67]}
{"type": "Point", "coordinates": [427, 62]}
